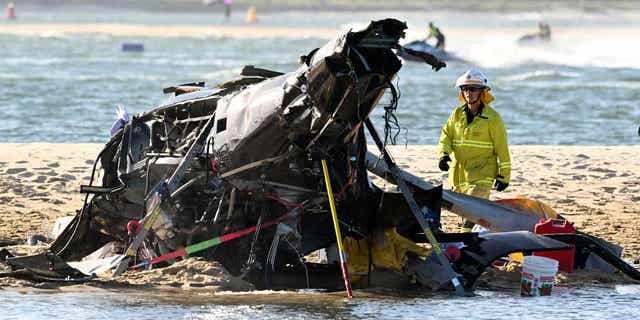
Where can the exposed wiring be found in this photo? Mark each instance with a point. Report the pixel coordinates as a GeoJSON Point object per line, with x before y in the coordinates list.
{"type": "Point", "coordinates": [391, 125]}
{"type": "Point", "coordinates": [300, 258]}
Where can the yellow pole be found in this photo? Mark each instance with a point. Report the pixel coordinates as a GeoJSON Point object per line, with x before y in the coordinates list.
{"type": "Point", "coordinates": [336, 227]}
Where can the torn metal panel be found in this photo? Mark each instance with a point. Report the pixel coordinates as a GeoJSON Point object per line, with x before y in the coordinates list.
{"type": "Point", "coordinates": [489, 214]}
{"type": "Point", "coordinates": [486, 248]}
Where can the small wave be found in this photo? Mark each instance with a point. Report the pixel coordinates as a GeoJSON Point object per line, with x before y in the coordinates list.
{"type": "Point", "coordinates": [200, 62]}
{"type": "Point", "coordinates": [31, 61]}
{"type": "Point", "coordinates": [540, 74]}
{"type": "Point", "coordinates": [35, 35]}
{"type": "Point", "coordinates": [173, 61]}
{"type": "Point", "coordinates": [585, 85]}
{"type": "Point", "coordinates": [124, 77]}
{"type": "Point", "coordinates": [4, 75]}
{"type": "Point", "coordinates": [67, 77]}
{"type": "Point", "coordinates": [52, 35]}
{"type": "Point", "coordinates": [217, 74]}
{"type": "Point", "coordinates": [628, 289]}
{"type": "Point", "coordinates": [267, 292]}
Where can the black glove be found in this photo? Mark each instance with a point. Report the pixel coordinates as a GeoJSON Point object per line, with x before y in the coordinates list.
{"type": "Point", "coordinates": [500, 186]}
{"type": "Point", "coordinates": [443, 164]}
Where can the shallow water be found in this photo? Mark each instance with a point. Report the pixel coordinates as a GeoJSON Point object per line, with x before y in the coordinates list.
{"type": "Point", "coordinates": [565, 303]}
{"type": "Point", "coordinates": [582, 89]}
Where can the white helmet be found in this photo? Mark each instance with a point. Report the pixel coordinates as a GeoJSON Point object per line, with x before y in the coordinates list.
{"type": "Point", "coordinates": [473, 77]}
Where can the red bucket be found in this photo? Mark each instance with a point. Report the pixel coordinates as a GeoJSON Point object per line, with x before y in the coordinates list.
{"type": "Point", "coordinates": [553, 226]}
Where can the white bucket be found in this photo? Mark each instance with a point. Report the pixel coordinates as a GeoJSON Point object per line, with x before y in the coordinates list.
{"type": "Point", "coordinates": [538, 274]}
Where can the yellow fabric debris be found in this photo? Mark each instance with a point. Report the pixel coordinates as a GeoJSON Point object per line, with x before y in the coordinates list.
{"type": "Point", "coordinates": [389, 250]}
{"type": "Point", "coordinates": [531, 205]}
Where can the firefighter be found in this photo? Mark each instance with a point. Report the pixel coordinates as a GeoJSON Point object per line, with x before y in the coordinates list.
{"type": "Point", "coordinates": [476, 138]}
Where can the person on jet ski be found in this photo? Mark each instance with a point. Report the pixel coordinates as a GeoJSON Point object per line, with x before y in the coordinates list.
{"type": "Point", "coordinates": [544, 31]}
{"type": "Point", "coordinates": [542, 36]}
{"type": "Point", "coordinates": [435, 32]}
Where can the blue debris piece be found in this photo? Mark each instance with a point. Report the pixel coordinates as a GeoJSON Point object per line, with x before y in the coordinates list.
{"type": "Point", "coordinates": [132, 47]}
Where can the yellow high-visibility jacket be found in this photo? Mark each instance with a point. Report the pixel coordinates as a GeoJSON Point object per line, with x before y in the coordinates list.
{"type": "Point", "coordinates": [480, 150]}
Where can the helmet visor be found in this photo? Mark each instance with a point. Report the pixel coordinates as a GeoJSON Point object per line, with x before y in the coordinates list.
{"type": "Point", "coordinates": [471, 87]}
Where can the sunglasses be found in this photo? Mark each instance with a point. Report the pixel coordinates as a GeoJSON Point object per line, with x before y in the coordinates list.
{"type": "Point", "coordinates": [470, 88]}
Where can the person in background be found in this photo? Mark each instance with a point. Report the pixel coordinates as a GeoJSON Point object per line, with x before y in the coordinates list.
{"type": "Point", "coordinates": [227, 8]}
{"type": "Point", "coordinates": [10, 12]}
{"type": "Point", "coordinates": [477, 139]}
{"type": "Point", "coordinates": [435, 33]}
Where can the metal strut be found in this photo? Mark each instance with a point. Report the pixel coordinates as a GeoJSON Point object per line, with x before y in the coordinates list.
{"type": "Point", "coordinates": [415, 209]}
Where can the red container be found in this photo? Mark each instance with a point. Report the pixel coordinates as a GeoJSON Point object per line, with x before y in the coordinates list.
{"type": "Point", "coordinates": [564, 257]}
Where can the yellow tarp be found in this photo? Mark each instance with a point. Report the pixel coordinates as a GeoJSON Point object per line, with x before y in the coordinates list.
{"type": "Point", "coordinates": [530, 205]}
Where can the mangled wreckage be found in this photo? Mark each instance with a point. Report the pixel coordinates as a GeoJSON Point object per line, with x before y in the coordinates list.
{"type": "Point", "coordinates": [237, 174]}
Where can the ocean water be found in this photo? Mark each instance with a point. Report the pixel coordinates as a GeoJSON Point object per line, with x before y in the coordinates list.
{"type": "Point", "coordinates": [582, 89]}
{"type": "Point", "coordinates": [564, 303]}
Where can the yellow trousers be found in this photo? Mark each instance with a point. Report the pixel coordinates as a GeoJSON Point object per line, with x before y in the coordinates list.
{"type": "Point", "coordinates": [476, 190]}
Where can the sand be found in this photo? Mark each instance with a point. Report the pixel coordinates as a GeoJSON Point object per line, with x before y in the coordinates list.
{"type": "Point", "coordinates": [39, 182]}
{"type": "Point", "coordinates": [192, 273]}
{"type": "Point", "coordinates": [597, 188]}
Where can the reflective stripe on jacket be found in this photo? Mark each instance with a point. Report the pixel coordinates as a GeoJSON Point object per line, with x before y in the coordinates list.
{"type": "Point", "coordinates": [479, 149]}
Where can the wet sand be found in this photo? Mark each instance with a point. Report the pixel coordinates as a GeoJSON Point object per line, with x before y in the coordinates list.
{"type": "Point", "coordinates": [597, 188]}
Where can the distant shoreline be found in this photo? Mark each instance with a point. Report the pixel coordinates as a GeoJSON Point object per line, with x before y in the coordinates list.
{"type": "Point", "coordinates": [343, 5]}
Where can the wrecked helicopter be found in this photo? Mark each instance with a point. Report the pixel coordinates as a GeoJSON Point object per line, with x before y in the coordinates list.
{"type": "Point", "coordinates": [252, 162]}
